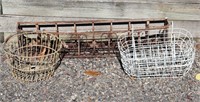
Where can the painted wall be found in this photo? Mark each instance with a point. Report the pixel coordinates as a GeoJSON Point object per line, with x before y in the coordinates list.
{"type": "Point", "coordinates": [173, 9]}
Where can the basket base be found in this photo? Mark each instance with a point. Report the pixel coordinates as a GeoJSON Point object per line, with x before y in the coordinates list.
{"type": "Point", "coordinates": [34, 76]}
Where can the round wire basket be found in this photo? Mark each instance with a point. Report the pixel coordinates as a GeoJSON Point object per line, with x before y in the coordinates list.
{"type": "Point", "coordinates": [157, 53]}
{"type": "Point", "coordinates": [32, 56]}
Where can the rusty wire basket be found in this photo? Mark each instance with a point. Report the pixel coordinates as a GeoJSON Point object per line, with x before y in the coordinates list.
{"type": "Point", "coordinates": [33, 56]}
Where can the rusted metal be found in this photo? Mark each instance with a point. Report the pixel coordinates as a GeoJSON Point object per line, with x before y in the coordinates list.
{"type": "Point", "coordinates": [92, 38]}
{"type": "Point", "coordinates": [32, 56]}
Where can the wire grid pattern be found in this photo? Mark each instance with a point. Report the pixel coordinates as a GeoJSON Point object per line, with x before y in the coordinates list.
{"type": "Point", "coordinates": [32, 56]}
{"type": "Point", "coordinates": [157, 53]}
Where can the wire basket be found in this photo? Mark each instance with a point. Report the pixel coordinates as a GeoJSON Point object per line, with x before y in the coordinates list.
{"type": "Point", "coordinates": [32, 56]}
{"type": "Point", "coordinates": [157, 53]}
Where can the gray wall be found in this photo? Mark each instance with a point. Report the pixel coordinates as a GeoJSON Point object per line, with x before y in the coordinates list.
{"type": "Point", "coordinates": [173, 9]}
{"type": "Point", "coordinates": [8, 23]}
{"type": "Point", "coordinates": [1, 32]}
{"type": "Point", "coordinates": [184, 13]}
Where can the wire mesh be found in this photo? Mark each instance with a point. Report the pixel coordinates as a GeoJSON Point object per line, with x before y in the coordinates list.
{"type": "Point", "coordinates": [32, 56]}
{"type": "Point", "coordinates": [157, 53]}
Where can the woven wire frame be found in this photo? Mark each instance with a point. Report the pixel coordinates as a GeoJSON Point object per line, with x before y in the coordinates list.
{"type": "Point", "coordinates": [157, 53]}
{"type": "Point", "coordinates": [32, 56]}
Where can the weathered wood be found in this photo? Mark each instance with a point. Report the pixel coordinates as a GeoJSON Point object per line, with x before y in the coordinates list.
{"type": "Point", "coordinates": [8, 23]}
{"type": "Point", "coordinates": [1, 11]}
{"type": "Point", "coordinates": [1, 33]}
{"type": "Point", "coordinates": [1, 37]}
{"type": "Point", "coordinates": [173, 9]}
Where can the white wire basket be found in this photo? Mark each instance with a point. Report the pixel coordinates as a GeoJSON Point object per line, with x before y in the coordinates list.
{"type": "Point", "coordinates": [157, 53]}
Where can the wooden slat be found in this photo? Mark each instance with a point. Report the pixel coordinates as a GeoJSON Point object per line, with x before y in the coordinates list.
{"type": "Point", "coordinates": [173, 9]}
{"type": "Point", "coordinates": [8, 23]}
{"type": "Point", "coordinates": [1, 7]}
